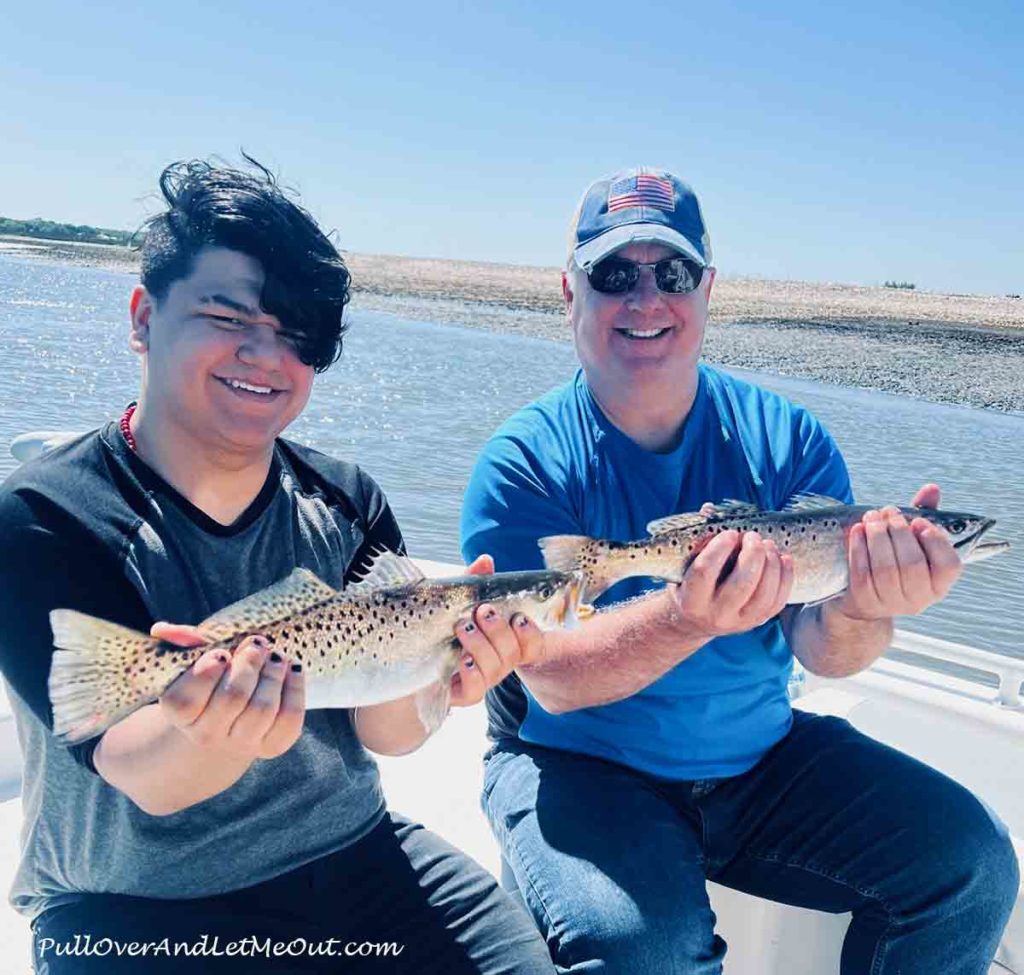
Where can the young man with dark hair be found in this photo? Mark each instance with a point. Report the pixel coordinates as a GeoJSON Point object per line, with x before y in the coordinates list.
{"type": "Point", "coordinates": [224, 810]}
{"type": "Point", "coordinates": [655, 748]}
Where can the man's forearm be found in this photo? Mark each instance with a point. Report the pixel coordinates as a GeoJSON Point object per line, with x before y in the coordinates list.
{"type": "Point", "coordinates": [830, 644]}
{"type": "Point", "coordinates": [610, 656]}
{"type": "Point", "coordinates": [160, 769]}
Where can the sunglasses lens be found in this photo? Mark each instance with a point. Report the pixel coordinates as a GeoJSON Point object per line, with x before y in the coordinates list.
{"type": "Point", "coordinates": [677, 275]}
{"type": "Point", "coordinates": [613, 276]}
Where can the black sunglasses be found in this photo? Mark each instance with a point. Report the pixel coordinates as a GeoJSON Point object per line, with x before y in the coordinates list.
{"type": "Point", "coordinates": [673, 275]}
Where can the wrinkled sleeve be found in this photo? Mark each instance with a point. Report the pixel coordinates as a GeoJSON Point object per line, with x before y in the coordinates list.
{"type": "Point", "coordinates": [44, 569]}
{"type": "Point", "coordinates": [382, 531]}
{"type": "Point", "coordinates": [513, 499]}
{"type": "Point", "coordinates": [818, 466]}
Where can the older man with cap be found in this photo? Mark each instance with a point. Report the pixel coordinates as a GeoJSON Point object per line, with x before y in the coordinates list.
{"type": "Point", "coordinates": [655, 747]}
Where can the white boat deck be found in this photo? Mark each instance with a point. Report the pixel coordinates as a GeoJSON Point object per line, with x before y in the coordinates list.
{"type": "Point", "coordinates": [970, 732]}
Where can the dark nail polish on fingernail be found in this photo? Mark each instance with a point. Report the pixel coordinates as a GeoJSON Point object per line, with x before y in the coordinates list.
{"type": "Point", "coordinates": [296, 668]}
{"type": "Point", "coordinates": [490, 614]}
{"type": "Point", "coordinates": [222, 658]}
{"type": "Point", "coordinates": [469, 662]}
{"type": "Point", "coordinates": [469, 627]}
{"type": "Point", "coordinates": [521, 621]}
{"type": "Point", "coordinates": [275, 657]}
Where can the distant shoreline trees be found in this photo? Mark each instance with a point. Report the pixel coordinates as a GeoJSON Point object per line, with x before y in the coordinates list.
{"type": "Point", "coordinates": [50, 230]}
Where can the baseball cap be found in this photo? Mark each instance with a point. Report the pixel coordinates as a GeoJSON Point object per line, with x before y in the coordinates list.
{"type": "Point", "coordinates": [641, 205]}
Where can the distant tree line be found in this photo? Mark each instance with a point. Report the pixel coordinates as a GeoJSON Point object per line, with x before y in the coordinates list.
{"type": "Point", "coordinates": [50, 230]}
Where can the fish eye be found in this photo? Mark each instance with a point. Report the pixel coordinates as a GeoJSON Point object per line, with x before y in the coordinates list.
{"type": "Point", "coordinates": [546, 591]}
{"type": "Point", "coordinates": [955, 527]}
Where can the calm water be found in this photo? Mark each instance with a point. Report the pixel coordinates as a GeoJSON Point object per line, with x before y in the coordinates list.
{"type": "Point", "coordinates": [412, 402]}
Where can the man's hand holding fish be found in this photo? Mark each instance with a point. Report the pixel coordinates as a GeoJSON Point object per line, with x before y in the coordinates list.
{"type": "Point", "coordinates": [897, 567]}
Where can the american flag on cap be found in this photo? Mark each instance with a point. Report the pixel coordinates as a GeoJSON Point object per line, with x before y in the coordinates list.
{"type": "Point", "coordinates": [641, 190]}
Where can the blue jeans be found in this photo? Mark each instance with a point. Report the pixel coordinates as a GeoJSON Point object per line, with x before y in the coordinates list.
{"type": "Point", "coordinates": [612, 863]}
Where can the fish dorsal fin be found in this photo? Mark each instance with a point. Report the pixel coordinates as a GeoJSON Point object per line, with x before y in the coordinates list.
{"type": "Point", "coordinates": [715, 512]}
{"type": "Point", "coordinates": [298, 591]}
{"type": "Point", "coordinates": [811, 502]}
{"type": "Point", "coordinates": [733, 509]}
{"type": "Point", "coordinates": [662, 526]}
{"type": "Point", "coordinates": [387, 570]}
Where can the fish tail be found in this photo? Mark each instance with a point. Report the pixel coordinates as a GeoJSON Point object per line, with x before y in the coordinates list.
{"type": "Point", "coordinates": [90, 689]}
{"type": "Point", "coordinates": [594, 559]}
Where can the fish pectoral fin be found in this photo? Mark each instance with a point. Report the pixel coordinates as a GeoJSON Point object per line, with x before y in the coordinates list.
{"type": "Point", "coordinates": [824, 599]}
{"type": "Point", "coordinates": [811, 502]}
{"type": "Point", "coordinates": [662, 526]}
{"type": "Point", "coordinates": [295, 593]}
{"type": "Point", "coordinates": [387, 570]}
{"type": "Point", "coordinates": [433, 703]}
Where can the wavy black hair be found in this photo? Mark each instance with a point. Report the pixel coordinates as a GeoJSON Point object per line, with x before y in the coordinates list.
{"type": "Point", "coordinates": [306, 283]}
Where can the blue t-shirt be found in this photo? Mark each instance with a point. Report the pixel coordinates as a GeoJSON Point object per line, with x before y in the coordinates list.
{"type": "Point", "coordinates": [559, 466]}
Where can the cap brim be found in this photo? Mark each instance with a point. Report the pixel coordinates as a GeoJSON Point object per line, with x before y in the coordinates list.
{"type": "Point", "coordinates": [588, 254]}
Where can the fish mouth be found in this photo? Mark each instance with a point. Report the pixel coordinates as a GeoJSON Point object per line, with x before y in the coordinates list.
{"type": "Point", "coordinates": [965, 546]}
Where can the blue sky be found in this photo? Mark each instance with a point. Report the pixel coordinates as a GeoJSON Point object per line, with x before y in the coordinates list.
{"type": "Point", "coordinates": [836, 142]}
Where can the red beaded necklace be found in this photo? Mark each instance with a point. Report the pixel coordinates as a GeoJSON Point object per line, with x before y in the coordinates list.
{"type": "Point", "coordinates": [126, 429]}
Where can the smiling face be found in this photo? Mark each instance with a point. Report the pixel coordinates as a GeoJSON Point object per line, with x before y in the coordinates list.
{"type": "Point", "coordinates": [637, 344]}
{"type": "Point", "coordinates": [217, 368]}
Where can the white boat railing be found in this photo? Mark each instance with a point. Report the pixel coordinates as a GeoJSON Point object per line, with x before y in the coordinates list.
{"type": "Point", "coordinates": [1009, 671]}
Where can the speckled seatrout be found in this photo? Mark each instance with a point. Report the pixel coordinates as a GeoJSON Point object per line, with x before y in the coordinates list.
{"type": "Point", "coordinates": [813, 529]}
{"type": "Point", "coordinates": [386, 636]}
